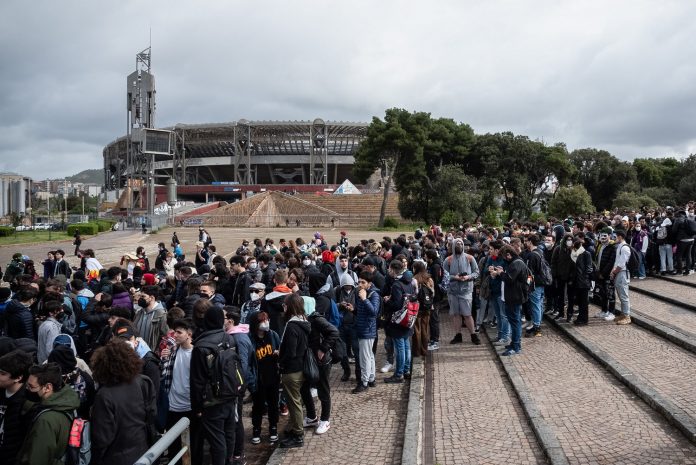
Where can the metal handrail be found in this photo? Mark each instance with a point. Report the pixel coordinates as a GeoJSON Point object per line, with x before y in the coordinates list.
{"type": "Point", "coordinates": [180, 429]}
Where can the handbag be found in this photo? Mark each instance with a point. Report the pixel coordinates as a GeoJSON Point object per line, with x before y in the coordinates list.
{"type": "Point", "coordinates": [310, 367]}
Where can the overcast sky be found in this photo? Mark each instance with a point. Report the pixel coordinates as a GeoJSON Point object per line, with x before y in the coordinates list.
{"type": "Point", "coordinates": [615, 75]}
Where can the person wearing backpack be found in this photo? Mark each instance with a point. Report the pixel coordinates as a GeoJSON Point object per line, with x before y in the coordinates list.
{"type": "Point", "coordinates": [217, 412]}
{"type": "Point", "coordinates": [663, 238]}
{"type": "Point", "coordinates": [51, 416]}
{"type": "Point", "coordinates": [14, 370]}
{"type": "Point", "coordinates": [426, 295]}
{"type": "Point", "coordinates": [535, 263]}
{"type": "Point", "coordinates": [583, 281]}
{"type": "Point", "coordinates": [605, 256]}
{"type": "Point", "coordinates": [621, 276]}
{"type": "Point", "coordinates": [323, 336]}
{"type": "Point", "coordinates": [401, 287]}
{"type": "Point", "coordinates": [684, 230]}
{"type": "Point", "coordinates": [515, 293]}
{"type": "Point", "coordinates": [50, 312]}
{"type": "Point", "coordinates": [463, 271]}
{"type": "Point", "coordinates": [291, 357]}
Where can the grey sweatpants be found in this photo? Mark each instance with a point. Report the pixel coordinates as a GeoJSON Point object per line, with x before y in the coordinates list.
{"type": "Point", "coordinates": [367, 360]}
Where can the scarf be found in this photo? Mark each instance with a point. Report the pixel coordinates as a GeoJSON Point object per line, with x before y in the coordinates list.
{"type": "Point", "coordinates": [282, 288]}
{"type": "Point", "coordinates": [574, 254]}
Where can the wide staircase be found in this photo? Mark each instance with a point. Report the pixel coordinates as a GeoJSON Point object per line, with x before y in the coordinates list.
{"type": "Point", "coordinates": [356, 210]}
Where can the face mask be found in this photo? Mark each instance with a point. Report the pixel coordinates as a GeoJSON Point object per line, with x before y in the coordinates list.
{"type": "Point", "coordinates": [306, 262]}
{"type": "Point", "coordinates": [569, 243]}
{"type": "Point", "coordinates": [253, 266]}
{"type": "Point", "coordinates": [458, 250]}
{"type": "Point", "coordinates": [142, 302]}
{"type": "Point", "coordinates": [265, 326]}
{"type": "Point", "coordinates": [32, 396]}
{"type": "Point", "coordinates": [255, 297]}
{"type": "Point", "coordinates": [638, 228]}
{"type": "Point", "coordinates": [348, 291]}
{"type": "Point", "coordinates": [548, 244]}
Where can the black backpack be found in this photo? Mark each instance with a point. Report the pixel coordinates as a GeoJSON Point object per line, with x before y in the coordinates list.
{"type": "Point", "coordinates": [425, 298]}
{"type": "Point", "coordinates": [633, 264]}
{"type": "Point", "coordinates": [225, 379]}
{"type": "Point", "coordinates": [544, 277]}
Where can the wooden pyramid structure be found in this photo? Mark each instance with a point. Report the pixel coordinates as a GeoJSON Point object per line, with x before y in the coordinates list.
{"type": "Point", "coordinates": [270, 209]}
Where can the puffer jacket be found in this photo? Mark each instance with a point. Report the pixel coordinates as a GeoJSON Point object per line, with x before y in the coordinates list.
{"type": "Point", "coordinates": [19, 321]}
{"type": "Point", "coordinates": [365, 314]}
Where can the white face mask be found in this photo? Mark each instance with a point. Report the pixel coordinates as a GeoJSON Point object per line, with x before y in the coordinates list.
{"type": "Point", "coordinates": [569, 243]}
{"type": "Point", "coordinates": [637, 228]}
{"type": "Point", "coordinates": [306, 262]}
{"type": "Point", "coordinates": [255, 296]}
{"type": "Point", "coordinates": [265, 326]}
{"type": "Point", "coordinates": [253, 266]}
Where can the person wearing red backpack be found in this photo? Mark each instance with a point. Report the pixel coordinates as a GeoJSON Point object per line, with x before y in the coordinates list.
{"type": "Point", "coordinates": [400, 335]}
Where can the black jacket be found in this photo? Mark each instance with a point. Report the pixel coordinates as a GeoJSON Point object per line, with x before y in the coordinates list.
{"type": "Point", "coordinates": [293, 346]}
{"type": "Point", "coordinates": [583, 271]}
{"type": "Point", "coordinates": [322, 336]}
{"type": "Point", "coordinates": [515, 279]}
{"type": "Point", "coordinates": [199, 378]}
{"type": "Point", "coordinates": [562, 267]}
{"type": "Point", "coordinates": [19, 321]}
{"type": "Point", "coordinates": [395, 303]}
{"type": "Point", "coordinates": [63, 268]}
{"type": "Point", "coordinates": [16, 425]}
{"type": "Point", "coordinates": [606, 263]}
{"type": "Point", "coordinates": [119, 423]}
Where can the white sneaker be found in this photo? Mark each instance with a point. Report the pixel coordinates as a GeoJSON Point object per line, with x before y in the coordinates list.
{"type": "Point", "coordinates": [433, 346]}
{"type": "Point", "coordinates": [600, 314]}
{"type": "Point", "coordinates": [314, 392]}
{"type": "Point", "coordinates": [323, 427]}
{"type": "Point", "coordinates": [610, 316]}
{"type": "Point", "coordinates": [387, 368]}
{"type": "Point", "coordinates": [309, 422]}
{"type": "Point", "coordinates": [529, 326]}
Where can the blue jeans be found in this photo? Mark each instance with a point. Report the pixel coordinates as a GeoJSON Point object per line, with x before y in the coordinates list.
{"type": "Point", "coordinates": [402, 353]}
{"type": "Point", "coordinates": [514, 316]}
{"type": "Point", "coordinates": [666, 263]}
{"type": "Point", "coordinates": [536, 304]}
{"type": "Point", "coordinates": [501, 318]}
{"type": "Point", "coordinates": [641, 268]}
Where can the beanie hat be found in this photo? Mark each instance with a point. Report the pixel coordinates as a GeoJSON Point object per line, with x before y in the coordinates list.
{"type": "Point", "coordinates": [64, 357]}
{"type": "Point", "coordinates": [316, 282]}
{"type": "Point", "coordinates": [214, 319]}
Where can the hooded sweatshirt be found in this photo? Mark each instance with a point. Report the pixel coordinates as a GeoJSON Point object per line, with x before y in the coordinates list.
{"type": "Point", "coordinates": [344, 297]}
{"type": "Point", "coordinates": [245, 349]}
{"type": "Point", "coordinates": [48, 436]}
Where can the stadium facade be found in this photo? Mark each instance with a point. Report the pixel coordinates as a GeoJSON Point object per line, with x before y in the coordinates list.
{"type": "Point", "coordinates": [243, 152]}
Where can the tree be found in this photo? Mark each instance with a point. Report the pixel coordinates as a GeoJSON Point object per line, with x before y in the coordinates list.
{"type": "Point", "coordinates": [633, 201]}
{"type": "Point", "coordinates": [395, 146]}
{"type": "Point", "coordinates": [573, 200]}
{"type": "Point", "coordinates": [603, 175]}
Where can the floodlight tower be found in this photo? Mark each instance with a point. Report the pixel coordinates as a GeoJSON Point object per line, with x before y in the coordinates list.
{"type": "Point", "coordinates": [140, 90]}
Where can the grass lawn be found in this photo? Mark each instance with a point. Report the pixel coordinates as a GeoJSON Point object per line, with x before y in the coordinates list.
{"type": "Point", "coordinates": [27, 237]}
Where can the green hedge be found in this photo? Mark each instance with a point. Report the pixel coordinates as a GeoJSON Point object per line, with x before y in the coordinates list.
{"type": "Point", "coordinates": [104, 225]}
{"type": "Point", "coordinates": [6, 231]}
{"type": "Point", "coordinates": [390, 222]}
{"type": "Point", "coordinates": [85, 228]}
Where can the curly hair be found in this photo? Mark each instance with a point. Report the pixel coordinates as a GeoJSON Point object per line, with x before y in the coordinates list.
{"type": "Point", "coordinates": [115, 363]}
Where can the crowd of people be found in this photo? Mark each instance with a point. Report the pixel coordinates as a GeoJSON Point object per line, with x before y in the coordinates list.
{"type": "Point", "coordinates": [136, 347]}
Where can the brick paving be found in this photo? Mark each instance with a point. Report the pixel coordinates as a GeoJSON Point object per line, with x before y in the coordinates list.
{"type": "Point", "coordinates": [596, 419]}
{"type": "Point", "coordinates": [664, 312]}
{"type": "Point", "coordinates": [664, 366]}
{"type": "Point", "coordinates": [476, 417]}
{"type": "Point", "coordinates": [365, 428]}
{"type": "Point", "coordinates": [668, 289]}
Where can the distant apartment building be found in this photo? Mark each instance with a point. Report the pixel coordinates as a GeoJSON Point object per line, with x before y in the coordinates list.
{"type": "Point", "coordinates": [15, 193]}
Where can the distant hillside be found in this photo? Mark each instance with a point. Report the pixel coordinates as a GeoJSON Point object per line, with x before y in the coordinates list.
{"type": "Point", "coordinates": [88, 176]}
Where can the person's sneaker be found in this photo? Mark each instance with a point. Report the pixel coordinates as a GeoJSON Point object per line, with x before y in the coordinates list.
{"type": "Point", "coordinates": [559, 316]}
{"type": "Point", "coordinates": [346, 376]}
{"type": "Point", "coordinates": [537, 331]}
{"type": "Point", "coordinates": [523, 319]}
{"type": "Point", "coordinates": [510, 352]}
{"type": "Point", "coordinates": [256, 436]}
{"type": "Point", "coordinates": [493, 325]}
{"type": "Point", "coordinates": [673, 272]}
{"type": "Point", "coordinates": [292, 441]}
{"type": "Point", "coordinates": [359, 388]}
{"type": "Point", "coordinates": [314, 392]}
{"type": "Point", "coordinates": [553, 314]}
{"type": "Point", "coordinates": [433, 346]}
{"type": "Point", "coordinates": [476, 339]}
{"type": "Point", "coordinates": [457, 339]}
{"type": "Point", "coordinates": [284, 411]}
{"type": "Point", "coordinates": [601, 314]}
{"type": "Point", "coordinates": [663, 273]}
{"type": "Point", "coordinates": [323, 427]}
{"type": "Point", "coordinates": [610, 317]}
{"type": "Point", "coordinates": [394, 379]}
{"type": "Point", "coordinates": [309, 422]}
{"type": "Point", "coordinates": [351, 360]}
{"type": "Point", "coordinates": [580, 323]}
{"type": "Point", "coordinates": [407, 375]}
{"type": "Point", "coordinates": [371, 384]}
{"type": "Point", "coordinates": [530, 326]}
{"type": "Point", "coordinates": [273, 434]}
{"type": "Point", "coordinates": [239, 460]}
{"type": "Point", "coordinates": [529, 332]}
{"type": "Point", "coordinates": [623, 320]}
{"type": "Point", "coordinates": [641, 277]}
{"type": "Point", "coordinates": [501, 342]}
{"type": "Point", "coordinates": [477, 329]}
{"type": "Point", "coordinates": [387, 368]}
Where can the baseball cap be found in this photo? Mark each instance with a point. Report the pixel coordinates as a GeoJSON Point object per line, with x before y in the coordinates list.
{"type": "Point", "coordinates": [258, 286]}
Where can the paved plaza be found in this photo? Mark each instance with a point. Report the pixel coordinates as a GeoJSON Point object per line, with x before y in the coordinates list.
{"type": "Point", "coordinates": [598, 394]}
